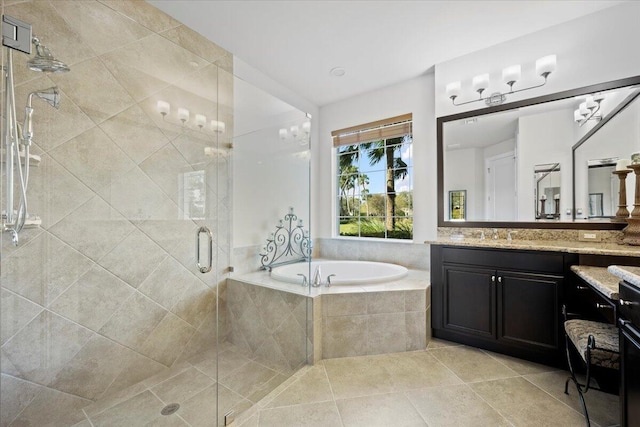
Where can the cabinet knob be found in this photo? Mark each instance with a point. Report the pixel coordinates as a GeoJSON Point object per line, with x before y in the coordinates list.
{"type": "Point", "coordinates": [582, 288]}
{"type": "Point", "coordinates": [499, 279]}
{"type": "Point", "coordinates": [607, 306]}
{"type": "Point", "coordinates": [625, 302]}
{"type": "Point", "coordinates": [493, 279]}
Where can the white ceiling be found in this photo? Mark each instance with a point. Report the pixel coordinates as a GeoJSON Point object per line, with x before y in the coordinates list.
{"type": "Point", "coordinates": [379, 43]}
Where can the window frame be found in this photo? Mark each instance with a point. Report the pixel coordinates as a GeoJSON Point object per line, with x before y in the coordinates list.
{"type": "Point", "coordinates": [379, 127]}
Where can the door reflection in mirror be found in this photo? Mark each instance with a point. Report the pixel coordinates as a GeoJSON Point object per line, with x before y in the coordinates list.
{"type": "Point", "coordinates": [547, 191]}
{"type": "Point", "coordinates": [603, 187]}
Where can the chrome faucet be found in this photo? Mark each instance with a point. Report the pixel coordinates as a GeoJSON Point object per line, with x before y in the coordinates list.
{"type": "Point", "coordinates": [317, 278]}
{"type": "Point", "coordinates": [305, 282]}
{"type": "Point", "coordinates": [329, 279]}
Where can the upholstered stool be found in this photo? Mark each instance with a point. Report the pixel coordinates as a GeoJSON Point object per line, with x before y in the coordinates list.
{"type": "Point", "coordinates": [597, 344]}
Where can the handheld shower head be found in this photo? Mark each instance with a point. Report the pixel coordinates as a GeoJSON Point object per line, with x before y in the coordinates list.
{"type": "Point", "coordinates": [44, 60]}
{"type": "Point", "coordinates": [51, 95]}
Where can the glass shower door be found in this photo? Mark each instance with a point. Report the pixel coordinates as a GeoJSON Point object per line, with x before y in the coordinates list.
{"type": "Point", "coordinates": [106, 317]}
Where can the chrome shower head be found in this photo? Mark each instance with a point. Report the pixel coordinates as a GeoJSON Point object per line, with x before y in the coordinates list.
{"type": "Point", "coordinates": [44, 60]}
{"type": "Point", "coordinates": [50, 95]}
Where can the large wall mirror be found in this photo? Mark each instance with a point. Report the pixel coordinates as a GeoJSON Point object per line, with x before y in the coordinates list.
{"type": "Point", "coordinates": [542, 162]}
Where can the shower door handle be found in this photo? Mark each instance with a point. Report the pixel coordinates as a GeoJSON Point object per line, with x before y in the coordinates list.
{"type": "Point", "coordinates": [210, 247]}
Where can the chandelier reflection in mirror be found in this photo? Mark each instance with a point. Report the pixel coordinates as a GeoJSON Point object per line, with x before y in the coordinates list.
{"type": "Point", "coordinates": [589, 110]}
{"type": "Point", "coordinates": [184, 116]}
{"type": "Point", "coordinates": [510, 75]}
{"type": "Point", "coordinates": [294, 134]}
{"type": "Point", "coordinates": [290, 243]}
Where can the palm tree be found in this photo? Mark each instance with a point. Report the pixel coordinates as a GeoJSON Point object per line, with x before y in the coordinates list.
{"type": "Point", "coordinates": [348, 177]}
{"type": "Point", "coordinates": [363, 181]}
{"type": "Point", "coordinates": [396, 169]}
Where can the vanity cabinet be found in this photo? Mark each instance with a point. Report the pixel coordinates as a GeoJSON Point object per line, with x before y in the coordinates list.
{"type": "Point", "coordinates": [501, 300]}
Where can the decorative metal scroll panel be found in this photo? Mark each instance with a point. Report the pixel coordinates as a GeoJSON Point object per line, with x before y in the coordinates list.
{"type": "Point", "coordinates": [288, 244]}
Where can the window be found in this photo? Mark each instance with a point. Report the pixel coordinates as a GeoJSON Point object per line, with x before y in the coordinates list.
{"type": "Point", "coordinates": [374, 184]}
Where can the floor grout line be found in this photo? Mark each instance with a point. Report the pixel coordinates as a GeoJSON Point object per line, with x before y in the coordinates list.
{"type": "Point", "coordinates": [333, 396]}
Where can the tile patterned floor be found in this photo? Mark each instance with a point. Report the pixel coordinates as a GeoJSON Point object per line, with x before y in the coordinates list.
{"type": "Point", "coordinates": [192, 384]}
{"type": "Point", "coordinates": [445, 385]}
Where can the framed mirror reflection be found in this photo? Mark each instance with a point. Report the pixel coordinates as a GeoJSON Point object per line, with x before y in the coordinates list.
{"type": "Point", "coordinates": [532, 163]}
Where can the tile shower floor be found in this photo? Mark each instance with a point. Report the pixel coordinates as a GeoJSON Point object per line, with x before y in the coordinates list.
{"type": "Point", "coordinates": [191, 384]}
{"type": "Point", "coordinates": [447, 384]}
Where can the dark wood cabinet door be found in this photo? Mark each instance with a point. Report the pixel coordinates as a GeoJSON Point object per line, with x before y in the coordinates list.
{"type": "Point", "coordinates": [630, 375]}
{"type": "Point", "coordinates": [528, 309]}
{"type": "Point", "coordinates": [469, 300]}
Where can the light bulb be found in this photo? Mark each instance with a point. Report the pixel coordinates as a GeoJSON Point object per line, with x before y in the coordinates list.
{"type": "Point", "coordinates": [283, 134]}
{"type": "Point", "coordinates": [218, 127]}
{"type": "Point", "coordinates": [201, 120]}
{"type": "Point", "coordinates": [163, 107]}
{"type": "Point", "coordinates": [294, 130]}
{"type": "Point", "coordinates": [480, 83]}
{"type": "Point", "coordinates": [546, 65]}
{"type": "Point", "coordinates": [583, 109]}
{"type": "Point", "coordinates": [453, 89]}
{"type": "Point", "coordinates": [183, 115]}
{"type": "Point", "coordinates": [511, 74]}
{"type": "Point", "coordinates": [306, 127]}
{"type": "Point", "coordinates": [577, 116]}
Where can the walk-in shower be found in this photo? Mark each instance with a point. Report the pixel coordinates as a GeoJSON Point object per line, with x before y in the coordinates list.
{"type": "Point", "coordinates": [106, 317]}
{"type": "Point", "coordinates": [16, 35]}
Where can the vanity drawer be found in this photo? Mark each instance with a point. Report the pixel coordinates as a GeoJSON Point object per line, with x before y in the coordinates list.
{"type": "Point", "coordinates": [591, 303]}
{"type": "Point", "coordinates": [539, 262]}
{"type": "Point", "coordinates": [630, 303]}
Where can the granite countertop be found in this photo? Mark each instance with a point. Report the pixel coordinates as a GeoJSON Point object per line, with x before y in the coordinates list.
{"type": "Point", "coordinates": [588, 248]}
{"type": "Point", "coordinates": [626, 273]}
{"type": "Point", "coordinates": [600, 278]}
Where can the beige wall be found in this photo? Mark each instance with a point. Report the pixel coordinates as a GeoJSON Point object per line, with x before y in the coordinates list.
{"type": "Point", "coordinates": [105, 293]}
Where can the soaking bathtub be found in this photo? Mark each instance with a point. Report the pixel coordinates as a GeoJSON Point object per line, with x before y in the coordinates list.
{"type": "Point", "coordinates": [344, 272]}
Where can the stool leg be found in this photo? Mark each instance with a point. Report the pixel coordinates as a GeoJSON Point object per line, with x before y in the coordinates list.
{"type": "Point", "coordinates": [581, 396]}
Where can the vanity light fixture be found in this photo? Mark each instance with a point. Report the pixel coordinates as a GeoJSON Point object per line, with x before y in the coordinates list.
{"type": "Point", "coordinates": [510, 75]}
{"type": "Point", "coordinates": [589, 109]}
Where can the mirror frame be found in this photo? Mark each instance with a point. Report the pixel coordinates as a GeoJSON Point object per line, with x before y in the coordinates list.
{"type": "Point", "coordinates": [440, 121]}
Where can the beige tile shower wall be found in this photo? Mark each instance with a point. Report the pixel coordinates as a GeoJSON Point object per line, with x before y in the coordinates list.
{"type": "Point", "coordinates": [270, 324]}
{"type": "Point", "coordinates": [360, 324]}
{"type": "Point", "coordinates": [106, 293]}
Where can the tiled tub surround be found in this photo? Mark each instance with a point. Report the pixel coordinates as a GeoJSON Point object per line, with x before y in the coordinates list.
{"type": "Point", "coordinates": [343, 320]}
{"type": "Point", "coordinates": [105, 293]}
{"type": "Point", "coordinates": [408, 254]}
